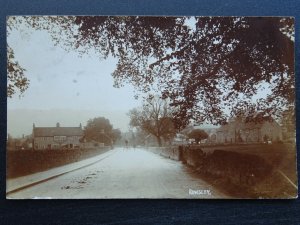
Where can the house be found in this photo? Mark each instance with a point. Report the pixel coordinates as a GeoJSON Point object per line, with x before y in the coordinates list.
{"type": "Point", "coordinates": [56, 137]}
{"type": "Point", "coordinates": [241, 130]}
{"type": "Point", "coordinates": [180, 139]}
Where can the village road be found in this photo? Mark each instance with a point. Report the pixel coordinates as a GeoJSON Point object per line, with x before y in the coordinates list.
{"type": "Point", "coordinates": [125, 173]}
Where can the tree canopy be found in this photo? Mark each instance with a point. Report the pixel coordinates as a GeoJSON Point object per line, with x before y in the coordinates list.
{"type": "Point", "coordinates": [100, 129]}
{"type": "Point", "coordinates": [205, 66]}
{"type": "Point", "coordinates": [198, 135]}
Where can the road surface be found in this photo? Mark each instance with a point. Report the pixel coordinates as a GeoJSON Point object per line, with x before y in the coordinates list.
{"type": "Point", "coordinates": [124, 173]}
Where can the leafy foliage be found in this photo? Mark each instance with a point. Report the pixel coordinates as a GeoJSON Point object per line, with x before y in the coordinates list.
{"type": "Point", "coordinates": [116, 135]}
{"type": "Point", "coordinates": [99, 129]}
{"type": "Point", "coordinates": [16, 79]}
{"type": "Point", "coordinates": [219, 64]}
{"type": "Point", "coordinates": [205, 66]}
{"type": "Point", "coordinates": [198, 135]}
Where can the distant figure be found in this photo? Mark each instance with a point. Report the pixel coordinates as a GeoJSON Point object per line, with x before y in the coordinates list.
{"type": "Point", "coordinates": [126, 144]}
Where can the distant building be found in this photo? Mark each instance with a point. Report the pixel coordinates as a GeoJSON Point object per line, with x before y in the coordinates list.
{"type": "Point", "coordinates": [239, 130]}
{"type": "Point", "coordinates": [180, 139]}
{"type": "Point", "coordinates": [56, 137]}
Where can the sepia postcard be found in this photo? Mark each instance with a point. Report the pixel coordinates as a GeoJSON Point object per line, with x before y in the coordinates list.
{"type": "Point", "coordinates": [126, 107]}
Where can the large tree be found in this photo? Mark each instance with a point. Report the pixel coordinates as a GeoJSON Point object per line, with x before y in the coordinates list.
{"type": "Point", "coordinates": [99, 129]}
{"type": "Point", "coordinates": [198, 135]}
{"type": "Point", "coordinates": [204, 65]}
{"type": "Point", "coordinates": [154, 117]}
{"type": "Point", "coordinates": [116, 135]}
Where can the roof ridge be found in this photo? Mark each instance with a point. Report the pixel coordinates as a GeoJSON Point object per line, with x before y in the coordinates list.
{"type": "Point", "coordinates": [57, 131]}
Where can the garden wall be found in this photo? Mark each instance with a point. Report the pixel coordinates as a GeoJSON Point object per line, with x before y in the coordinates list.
{"type": "Point", "coordinates": [24, 162]}
{"type": "Point", "coordinates": [171, 152]}
{"type": "Point", "coordinates": [236, 168]}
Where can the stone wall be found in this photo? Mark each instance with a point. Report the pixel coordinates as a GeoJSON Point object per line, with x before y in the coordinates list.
{"type": "Point", "coordinates": [238, 168]}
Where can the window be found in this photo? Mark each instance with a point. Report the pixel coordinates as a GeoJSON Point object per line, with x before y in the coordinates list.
{"type": "Point", "coordinates": [60, 138]}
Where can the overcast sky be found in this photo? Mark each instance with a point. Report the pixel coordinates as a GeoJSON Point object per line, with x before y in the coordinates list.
{"type": "Point", "coordinates": [62, 82]}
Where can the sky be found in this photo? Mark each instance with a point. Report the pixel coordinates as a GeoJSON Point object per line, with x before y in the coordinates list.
{"type": "Point", "coordinates": [64, 87]}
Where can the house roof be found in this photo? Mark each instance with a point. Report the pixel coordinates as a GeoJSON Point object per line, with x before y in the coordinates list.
{"type": "Point", "coordinates": [57, 131]}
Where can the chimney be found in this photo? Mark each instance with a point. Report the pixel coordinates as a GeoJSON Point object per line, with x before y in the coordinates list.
{"type": "Point", "coordinates": [57, 124]}
{"type": "Point", "coordinates": [33, 129]}
{"type": "Point", "coordinates": [80, 125]}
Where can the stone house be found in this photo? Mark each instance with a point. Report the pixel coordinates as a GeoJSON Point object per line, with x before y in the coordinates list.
{"type": "Point", "coordinates": [239, 130]}
{"type": "Point", "coordinates": [56, 137]}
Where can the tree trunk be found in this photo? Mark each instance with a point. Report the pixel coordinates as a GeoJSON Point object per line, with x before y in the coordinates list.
{"type": "Point", "coordinates": [159, 141]}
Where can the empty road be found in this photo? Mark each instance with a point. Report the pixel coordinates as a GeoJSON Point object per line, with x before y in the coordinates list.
{"type": "Point", "coordinates": [125, 173]}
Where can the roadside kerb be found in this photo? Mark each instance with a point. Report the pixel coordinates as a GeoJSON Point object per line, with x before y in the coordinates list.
{"type": "Point", "coordinates": [20, 183]}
